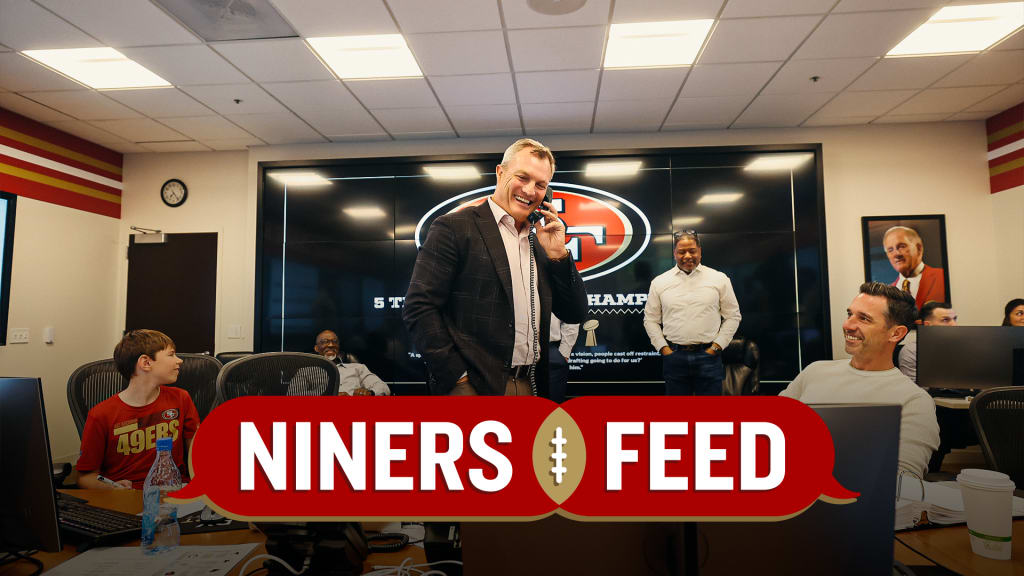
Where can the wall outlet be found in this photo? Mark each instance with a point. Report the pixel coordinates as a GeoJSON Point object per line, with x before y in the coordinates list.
{"type": "Point", "coordinates": [18, 336]}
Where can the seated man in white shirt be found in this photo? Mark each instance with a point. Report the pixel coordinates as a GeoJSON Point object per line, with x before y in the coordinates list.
{"type": "Point", "coordinates": [356, 379]}
{"type": "Point", "coordinates": [932, 314]}
{"type": "Point", "coordinates": [877, 319]}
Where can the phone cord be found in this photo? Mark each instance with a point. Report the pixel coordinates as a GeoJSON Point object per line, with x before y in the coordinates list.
{"type": "Point", "coordinates": [535, 343]}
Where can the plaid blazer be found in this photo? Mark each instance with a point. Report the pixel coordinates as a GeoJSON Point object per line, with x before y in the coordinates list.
{"type": "Point", "coordinates": [459, 307]}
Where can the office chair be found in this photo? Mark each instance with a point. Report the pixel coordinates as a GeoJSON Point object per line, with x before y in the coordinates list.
{"type": "Point", "coordinates": [225, 357]}
{"type": "Point", "coordinates": [198, 377]}
{"type": "Point", "coordinates": [740, 360]}
{"type": "Point", "coordinates": [91, 384]}
{"type": "Point", "coordinates": [998, 418]}
{"type": "Point", "coordinates": [278, 374]}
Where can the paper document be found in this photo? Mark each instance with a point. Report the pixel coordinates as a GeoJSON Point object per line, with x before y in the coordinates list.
{"type": "Point", "coordinates": [130, 561]}
{"type": "Point", "coordinates": [942, 502]}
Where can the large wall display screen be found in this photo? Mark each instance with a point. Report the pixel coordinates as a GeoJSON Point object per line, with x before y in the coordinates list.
{"type": "Point", "coordinates": [338, 239]}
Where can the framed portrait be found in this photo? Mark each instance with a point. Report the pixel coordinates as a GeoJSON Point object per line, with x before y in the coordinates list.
{"type": "Point", "coordinates": [909, 252]}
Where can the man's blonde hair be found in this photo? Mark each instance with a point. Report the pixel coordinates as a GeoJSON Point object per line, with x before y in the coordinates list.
{"type": "Point", "coordinates": [536, 148]}
{"type": "Point", "coordinates": [910, 232]}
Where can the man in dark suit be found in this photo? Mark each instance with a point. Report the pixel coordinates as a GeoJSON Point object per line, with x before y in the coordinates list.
{"type": "Point", "coordinates": [905, 250]}
{"type": "Point", "coordinates": [483, 290]}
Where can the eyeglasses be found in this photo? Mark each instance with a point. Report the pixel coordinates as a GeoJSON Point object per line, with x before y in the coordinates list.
{"type": "Point", "coordinates": [686, 233]}
{"type": "Point", "coordinates": [323, 341]}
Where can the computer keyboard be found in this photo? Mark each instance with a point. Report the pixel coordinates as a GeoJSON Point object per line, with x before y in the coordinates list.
{"type": "Point", "coordinates": [97, 526]}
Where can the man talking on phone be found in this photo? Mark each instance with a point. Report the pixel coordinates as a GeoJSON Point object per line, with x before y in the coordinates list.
{"type": "Point", "coordinates": [487, 280]}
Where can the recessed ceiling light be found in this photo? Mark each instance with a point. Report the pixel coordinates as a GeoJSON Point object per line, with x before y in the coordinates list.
{"type": "Point", "coordinates": [612, 169]}
{"type": "Point", "coordinates": [777, 162]}
{"type": "Point", "coordinates": [453, 172]}
{"type": "Point", "coordinates": [300, 178]}
{"type": "Point", "coordinates": [647, 44]}
{"type": "Point", "coordinates": [957, 29]}
{"type": "Point", "coordinates": [378, 56]}
{"type": "Point", "coordinates": [99, 68]}
{"type": "Point", "coordinates": [687, 221]}
{"type": "Point", "coordinates": [365, 212]}
{"type": "Point", "coordinates": [720, 198]}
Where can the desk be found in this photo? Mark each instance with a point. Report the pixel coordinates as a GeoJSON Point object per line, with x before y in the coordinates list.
{"type": "Point", "coordinates": [131, 501]}
{"type": "Point", "coordinates": [954, 403]}
{"type": "Point", "coordinates": [951, 548]}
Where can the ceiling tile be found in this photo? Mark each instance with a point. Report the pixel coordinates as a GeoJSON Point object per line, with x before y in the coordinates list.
{"type": "Point", "coordinates": [233, 143]}
{"type": "Point", "coordinates": [283, 128]}
{"type": "Point", "coordinates": [861, 34]}
{"type": "Point", "coordinates": [418, 16]}
{"type": "Point", "coordinates": [19, 74]}
{"type": "Point", "coordinates": [396, 93]}
{"type": "Point", "coordinates": [448, 53]}
{"type": "Point", "coordinates": [779, 110]}
{"type": "Point", "coordinates": [907, 73]}
{"type": "Point", "coordinates": [119, 23]}
{"type": "Point", "coordinates": [630, 115]}
{"type": "Point", "coordinates": [558, 117]}
{"type": "Point", "coordinates": [643, 84]}
{"type": "Point", "coordinates": [817, 120]}
{"type": "Point", "coordinates": [567, 86]}
{"type": "Point", "coordinates": [1001, 100]}
{"type": "Point", "coordinates": [868, 5]}
{"type": "Point", "coordinates": [314, 18]}
{"type": "Point", "coordinates": [88, 132]}
{"type": "Point", "coordinates": [864, 103]}
{"type": "Point", "coordinates": [5, 48]}
{"type": "Point", "coordinates": [383, 136]}
{"type": "Point", "coordinates": [184, 146]}
{"type": "Point", "coordinates": [413, 120]}
{"type": "Point", "coordinates": [910, 118]}
{"type": "Point", "coordinates": [945, 100]}
{"type": "Point", "coordinates": [756, 8]}
{"type": "Point", "coordinates": [718, 110]}
{"type": "Point", "coordinates": [690, 126]}
{"type": "Point", "coordinates": [30, 108]}
{"type": "Point", "coordinates": [627, 11]}
{"type": "Point", "coordinates": [728, 79]}
{"type": "Point", "coordinates": [757, 39]}
{"type": "Point", "coordinates": [275, 60]}
{"type": "Point", "coordinates": [474, 90]}
{"type": "Point", "coordinates": [253, 99]}
{"type": "Point", "coordinates": [186, 65]}
{"type": "Point", "coordinates": [139, 130]}
{"type": "Point", "coordinates": [495, 118]}
{"type": "Point", "coordinates": [83, 104]}
{"type": "Point", "coordinates": [968, 116]}
{"type": "Point", "coordinates": [557, 48]}
{"type": "Point", "coordinates": [207, 128]}
{"type": "Point", "coordinates": [126, 147]}
{"type": "Point", "coordinates": [1014, 42]}
{"type": "Point", "coordinates": [327, 106]}
{"type": "Point", "coordinates": [518, 14]}
{"type": "Point", "coordinates": [833, 75]}
{"type": "Point", "coordinates": [997, 67]}
{"type": "Point", "coordinates": [27, 26]}
{"type": "Point", "coordinates": [160, 102]}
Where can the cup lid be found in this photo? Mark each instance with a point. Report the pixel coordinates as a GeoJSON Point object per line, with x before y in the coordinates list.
{"type": "Point", "coordinates": [985, 479]}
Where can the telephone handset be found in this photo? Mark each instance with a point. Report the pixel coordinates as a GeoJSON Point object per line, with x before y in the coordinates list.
{"type": "Point", "coordinates": [535, 215]}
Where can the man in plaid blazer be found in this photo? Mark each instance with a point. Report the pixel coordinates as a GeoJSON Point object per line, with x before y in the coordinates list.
{"type": "Point", "coordinates": [470, 309]}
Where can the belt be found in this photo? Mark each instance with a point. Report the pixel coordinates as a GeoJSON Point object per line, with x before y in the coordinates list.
{"type": "Point", "coordinates": [689, 347]}
{"type": "Point", "coordinates": [555, 342]}
{"type": "Point", "coordinates": [517, 372]}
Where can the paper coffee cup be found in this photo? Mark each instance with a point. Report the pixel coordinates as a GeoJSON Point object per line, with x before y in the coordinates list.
{"type": "Point", "coordinates": [988, 502]}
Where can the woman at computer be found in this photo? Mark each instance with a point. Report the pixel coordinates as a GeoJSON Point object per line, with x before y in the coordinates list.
{"type": "Point", "coordinates": [1013, 315]}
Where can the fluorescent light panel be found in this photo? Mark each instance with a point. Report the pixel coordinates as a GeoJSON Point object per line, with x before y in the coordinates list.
{"type": "Point", "coordinates": [365, 212]}
{"type": "Point", "coordinates": [777, 162]}
{"type": "Point", "coordinates": [957, 29]}
{"type": "Point", "coordinates": [300, 178]}
{"type": "Point", "coordinates": [453, 172]}
{"type": "Point", "coordinates": [649, 44]}
{"type": "Point", "coordinates": [687, 221]}
{"type": "Point", "coordinates": [720, 198]}
{"type": "Point", "coordinates": [612, 169]}
{"type": "Point", "coordinates": [99, 68]}
{"type": "Point", "coordinates": [361, 57]}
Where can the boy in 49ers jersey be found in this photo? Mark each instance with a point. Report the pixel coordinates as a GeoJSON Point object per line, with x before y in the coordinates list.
{"type": "Point", "coordinates": [119, 439]}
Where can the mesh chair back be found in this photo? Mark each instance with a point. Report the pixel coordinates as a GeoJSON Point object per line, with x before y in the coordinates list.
{"type": "Point", "coordinates": [998, 418]}
{"type": "Point", "coordinates": [278, 374]}
{"type": "Point", "coordinates": [198, 377]}
{"type": "Point", "coordinates": [741, 359]}
{"type": "Point", "coordinates": [91, 384]}
{"type": "Point", "coordinates": [225, 357]}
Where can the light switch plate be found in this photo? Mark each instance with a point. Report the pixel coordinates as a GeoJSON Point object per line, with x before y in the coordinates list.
{"type": "Point", "coordinates": [18, 336]}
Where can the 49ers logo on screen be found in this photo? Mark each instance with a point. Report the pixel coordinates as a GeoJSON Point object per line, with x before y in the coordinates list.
{"type": "Point", "coordinates": [603, 231]}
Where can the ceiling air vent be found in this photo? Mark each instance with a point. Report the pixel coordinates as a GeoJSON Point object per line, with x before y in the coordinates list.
{"type": "Point", "coordinates": [215, 20]}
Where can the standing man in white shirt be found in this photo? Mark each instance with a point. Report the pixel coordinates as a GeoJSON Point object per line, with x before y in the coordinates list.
{"type": "Point", "coordinates": [561, 340]}
{"type": "Point", "coordinates": [691, 315]}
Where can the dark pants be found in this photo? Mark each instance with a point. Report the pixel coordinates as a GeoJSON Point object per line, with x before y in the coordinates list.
{"type": "Point", "coordinates": [558, 373]}
{"type": "Point", "coordinates": [693, 373]}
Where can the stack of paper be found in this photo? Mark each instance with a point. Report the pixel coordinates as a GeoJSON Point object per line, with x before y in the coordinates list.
{"type": "Point", "coordinates": [941, 501]}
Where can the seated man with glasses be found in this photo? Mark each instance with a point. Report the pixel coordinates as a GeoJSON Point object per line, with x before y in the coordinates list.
{"type": "Point", "coordinates": [356, 379]}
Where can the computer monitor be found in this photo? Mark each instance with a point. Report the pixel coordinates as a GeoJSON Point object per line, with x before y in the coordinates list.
{"type": "Point", "coordinates": [28, 511]}
{"type": "Point", "coordinates": [970, 356]}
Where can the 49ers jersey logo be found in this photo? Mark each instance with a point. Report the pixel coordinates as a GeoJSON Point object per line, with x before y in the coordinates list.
{"type": "Point", "coordinates": [603, 231]}
{"type": "Point", "coordinates": [170, 414]}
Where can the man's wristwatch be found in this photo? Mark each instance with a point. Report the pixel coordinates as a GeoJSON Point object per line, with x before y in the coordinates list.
{"type": "Point", "coordinates": [716, 347]}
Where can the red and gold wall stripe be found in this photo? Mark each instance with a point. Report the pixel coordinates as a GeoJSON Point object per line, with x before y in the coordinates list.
{"type": "Point", "coordinates": [1006, 149]}
{"type": "Point", "coordinates": [43, 163]}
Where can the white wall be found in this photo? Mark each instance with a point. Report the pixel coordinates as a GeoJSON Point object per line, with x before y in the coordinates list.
{"type": "Point", "coordinates": [63, 275]}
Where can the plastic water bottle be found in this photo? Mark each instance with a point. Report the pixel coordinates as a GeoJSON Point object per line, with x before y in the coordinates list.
{"type": "Point", "coordinates": [160, 530]}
